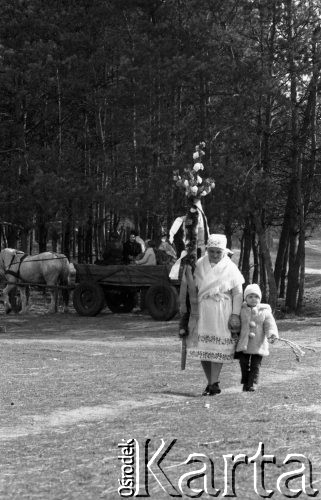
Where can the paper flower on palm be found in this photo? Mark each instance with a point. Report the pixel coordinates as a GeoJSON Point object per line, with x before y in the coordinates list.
{"type": "Point", "coordinates": [193, 184]}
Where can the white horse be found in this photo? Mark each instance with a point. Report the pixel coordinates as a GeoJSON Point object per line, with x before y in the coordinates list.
{"type": "Point", "coordinates": [46, 268]}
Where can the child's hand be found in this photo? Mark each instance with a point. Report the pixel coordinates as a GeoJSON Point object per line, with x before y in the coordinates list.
{"type": "Point", "coordinates": [272, 339]}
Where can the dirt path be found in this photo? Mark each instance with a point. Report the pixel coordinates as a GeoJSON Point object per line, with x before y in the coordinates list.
{"type": "Point", "coordinates": [72, 388]}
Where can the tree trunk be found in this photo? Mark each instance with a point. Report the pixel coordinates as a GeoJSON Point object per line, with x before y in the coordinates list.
{"type": "Point", "coordinates": [89, 237]}
{"type": "Point", "coordinates": [262, 276]}
{"type": "Point", "coordinates": [42, 230]}
{"type": "Point", "coordinates": [228, 233]}
{"type": "Point", "coordinates": [267, 264]}
{"type": "Point", "coordinates": [283, 250]}
{"type": "Point", "coordinates": [24, 240]}
{"type": "Point", "coordinates": [241, 251]}
{"type": "Point", "coordinates": [293, 272]}
{"type": "Point", "coordinates": [301, 257]}
{"type": "Point", "coordinates": [255, 277]}
{"type": "Point", "coordinates": [246, 251]}
{"type": "Point", "coordinates": [31, 241]}
{"type": "Point", "coordinates": [65, 240]}
{"type": "Point", "coordinates": [54, 240]}
{"type": "Point", "coordinates": [12, 237]}
{"type": "Point", "coordinates": [80, 244]}
{"type": "Point", "coordinates": [294, 223]}
{"type": "Point", "coordinates": [284, 271]}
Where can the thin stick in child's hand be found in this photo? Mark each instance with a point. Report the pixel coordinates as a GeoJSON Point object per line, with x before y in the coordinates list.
{"type": "Point", "coordinates": [294, 347]}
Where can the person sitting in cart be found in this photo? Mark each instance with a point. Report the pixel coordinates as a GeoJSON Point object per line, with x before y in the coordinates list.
{"type": "Point", "coordinates": [131, 249]}
{"type": "Point", "coordinates": [170, 256]}
{"type": "Point", "coordinates": [149, 257]}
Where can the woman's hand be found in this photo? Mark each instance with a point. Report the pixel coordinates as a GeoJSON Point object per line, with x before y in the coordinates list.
{"type": "Point", "coordinates": [183, 333]}
{"type": "Point", "coordinates": [183, 325]}
{"type": "Point", "coordinates": [234, 323]}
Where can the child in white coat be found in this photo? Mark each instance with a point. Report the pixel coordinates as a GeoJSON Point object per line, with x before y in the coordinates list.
{"type": "Point", "coordinates": [258, 328]}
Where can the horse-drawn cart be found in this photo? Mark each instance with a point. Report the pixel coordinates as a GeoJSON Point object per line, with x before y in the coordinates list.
{"type": "Point", "coordinates": [118, 287]}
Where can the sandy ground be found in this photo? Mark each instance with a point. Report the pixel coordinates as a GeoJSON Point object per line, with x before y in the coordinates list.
{"type": "Point", "coordinates": [72, 388]}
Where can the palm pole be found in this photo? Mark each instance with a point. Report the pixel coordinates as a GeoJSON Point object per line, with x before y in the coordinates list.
{"type": "Point", "coordinates": [195, 187]}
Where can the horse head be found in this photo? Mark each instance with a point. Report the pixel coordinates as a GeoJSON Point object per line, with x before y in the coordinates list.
{"type": "Point", "coordinates": [8, 257]}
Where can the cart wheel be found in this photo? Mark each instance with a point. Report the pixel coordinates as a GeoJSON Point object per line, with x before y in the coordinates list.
{"type": "Point", "coordinates": [121, 301]}
{"type": "Point", "coordinates": [162, 302]}
{"type": "Point", "coordinates": [88, 299]}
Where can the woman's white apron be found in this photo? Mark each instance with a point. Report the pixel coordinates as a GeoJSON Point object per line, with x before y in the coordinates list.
{"type": "Point", "coordinates": [209, 337]}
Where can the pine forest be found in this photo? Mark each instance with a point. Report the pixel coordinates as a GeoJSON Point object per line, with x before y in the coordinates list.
{"type": "Point", "coordinates": [101, 100]}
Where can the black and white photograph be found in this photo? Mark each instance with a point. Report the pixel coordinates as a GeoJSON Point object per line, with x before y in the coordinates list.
{"type": "Point", "coordinates": [160, 249]}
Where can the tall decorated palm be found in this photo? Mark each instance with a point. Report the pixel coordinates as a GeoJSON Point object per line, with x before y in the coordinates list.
{"type": "Point", "coordinates": [195, 187]}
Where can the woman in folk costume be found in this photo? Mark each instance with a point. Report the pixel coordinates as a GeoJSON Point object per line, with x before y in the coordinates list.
{"type": "Point", "coordinates": [219, 295]}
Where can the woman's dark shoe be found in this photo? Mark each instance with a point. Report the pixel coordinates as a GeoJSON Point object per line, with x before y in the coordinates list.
{"type": "Point", "coordinates": [211, 389]}
{"type": "Point", "coordinates": [206, 391]}
{"type": "Point", "coordinates": [214, 389]}
{"type": "Point", "coordinates": [245, 388]}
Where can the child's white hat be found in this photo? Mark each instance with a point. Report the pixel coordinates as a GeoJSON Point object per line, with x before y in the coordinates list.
{"type": "Point", "coordinates": [253, 288]}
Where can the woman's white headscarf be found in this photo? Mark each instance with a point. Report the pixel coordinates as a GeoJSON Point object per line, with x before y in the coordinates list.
{"type": "Point", "coordinates": [217, 241]}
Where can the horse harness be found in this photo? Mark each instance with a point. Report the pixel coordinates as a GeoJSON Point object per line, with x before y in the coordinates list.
{"type": "Point", "coordinates": [15, 274]}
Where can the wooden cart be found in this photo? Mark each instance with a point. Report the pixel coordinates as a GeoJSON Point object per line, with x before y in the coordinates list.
{"type": "Point", "coordinates": [118, 287]}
